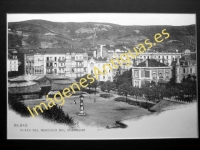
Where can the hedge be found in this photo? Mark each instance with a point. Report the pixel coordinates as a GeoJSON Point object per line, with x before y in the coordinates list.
{"type": "Point", "coordinates": [106, 95]}
{"type": "Point", "coordinates": [132, 102]}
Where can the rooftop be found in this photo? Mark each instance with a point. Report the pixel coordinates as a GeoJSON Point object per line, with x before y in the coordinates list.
{"type": "Point", "coordinates": [25, 78]}
{"type": "Point", "coordinates": [57, 77]}
{"type": "Point", "coordinates": [48, 51]}
{"type": "Point", "coordinates": [100, 59]}
{"type": "Point", "coordinates": [151, 63]}
{"type": "Point", "coordinates": [191, 56]}
{"type": "Point", "coordinates": [21, 84]}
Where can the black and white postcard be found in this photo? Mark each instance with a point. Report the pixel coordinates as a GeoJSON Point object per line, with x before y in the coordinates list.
{"type": "Point", "coordinates": [101, 76]}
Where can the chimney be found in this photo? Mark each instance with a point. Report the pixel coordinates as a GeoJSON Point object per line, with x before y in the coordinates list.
{"type": "Point", "coordinates": [101, 50]}
{"type": "Point", "coordinates": [177, 63]}
{"type": "Point", "coordinates": [163, 59]}
{"type": "Point", "coordinates": [146, 62]}
{"type": "Point", "coordinates": [95, 53]}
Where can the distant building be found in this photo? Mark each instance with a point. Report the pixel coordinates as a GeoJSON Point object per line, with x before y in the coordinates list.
{"type": "Point", "coordinates": [32, 86]}
{"type": "Point", "coordinates": [24, 87]}
{"type": "Point", "coordinates": [109, 51]}
{"type": "Point", "coordinates": [56, 62]}
{"type": "Point", "coordinates": [184, 66]}
{"type": "Point", "coordinates": [79, 63]}
{"type": "Point", "coordinates": [165, 58]}
{"type": "Point", "coordinates": [98, 63]}
{"type": "Point", "coordinates": [150, 70]}
{"type": "Point", "coordinates": [12, 64]}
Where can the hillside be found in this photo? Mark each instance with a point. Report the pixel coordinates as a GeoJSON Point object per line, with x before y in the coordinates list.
{"type": "Point", "coordinates": [43, 34]}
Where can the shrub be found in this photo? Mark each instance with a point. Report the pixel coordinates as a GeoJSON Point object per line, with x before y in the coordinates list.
{"type": "Point", "coordinates": [106, 95]}
{"type": "Point", "coordinates": [132, 102]}
{"type": "Point", "coordinates": [90, 91]}
{"type": "Point", "coordinates": [57, 114]}
{"type": "Point", "coordinates": [18, 106]}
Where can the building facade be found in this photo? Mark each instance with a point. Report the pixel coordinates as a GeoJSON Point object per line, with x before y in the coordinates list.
{"type": "Point", "coordinates": [111, 51]}
{"type": "Point", "coordinates": [165, 58]}
{"type": "Point", "coordinates": [12, 64]}
{"type": "Point", "coordinates": [99, 63]}
{"type": "Point", "coordinates": [150, 70]}
{"type": "Point", "coordinates": [184, 66]}
{"type": "Point", "coordinates": [57, 62]}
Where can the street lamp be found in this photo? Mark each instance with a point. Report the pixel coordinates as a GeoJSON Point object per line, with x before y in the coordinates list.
{"type": "Point", "coordinates": [81, 113]}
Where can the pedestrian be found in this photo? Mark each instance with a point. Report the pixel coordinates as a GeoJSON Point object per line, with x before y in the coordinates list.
{"type": "Point", "coordinates": [94, 100]}
{"type": "Point", "coordinates": [74, 102]}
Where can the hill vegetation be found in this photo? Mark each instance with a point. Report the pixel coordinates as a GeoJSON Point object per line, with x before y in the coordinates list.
{"type": "Point", "coordinates": [41, 33]}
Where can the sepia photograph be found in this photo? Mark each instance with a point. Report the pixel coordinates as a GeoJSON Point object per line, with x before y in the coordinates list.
{"type": "Point", "coordinates": [101, 76]}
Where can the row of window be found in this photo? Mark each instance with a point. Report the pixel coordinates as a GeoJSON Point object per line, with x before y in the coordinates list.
{"type": "Point", "coordinates": [39, 70]}
{"type": "Point", "coordinates": [56, 58]}
{"type": "Point", "coordinates": [13, 62]}
{"type": "Point", "coordinates": [189, 70]}
{"type": "Point", "coordinates": [146, 74]}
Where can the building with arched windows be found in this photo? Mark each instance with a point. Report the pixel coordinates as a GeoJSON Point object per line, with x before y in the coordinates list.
{"type": "Point", "coordinates": [150, 70]}
{"type": "Point", "coordinates": [99, 63]}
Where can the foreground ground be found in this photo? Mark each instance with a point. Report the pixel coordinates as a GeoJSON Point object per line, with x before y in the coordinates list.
{"type": "Point", "coordinates": [101, 113]}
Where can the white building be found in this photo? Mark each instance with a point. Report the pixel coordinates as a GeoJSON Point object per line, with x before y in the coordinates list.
{"type": "Point", "coordinates": [12, 64]}
{"type": "Point", "coordinates": [150, 70]}
{"type": "Point", "coordinates": [99, 63]}
{"type": "Point", "coordinates": [55, 61]}
{"type": "Point", "coordinates": [165, 58]}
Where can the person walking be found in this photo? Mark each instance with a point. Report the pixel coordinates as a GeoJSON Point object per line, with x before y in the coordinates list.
{"type": "Point", "coordinates": [74, 102]}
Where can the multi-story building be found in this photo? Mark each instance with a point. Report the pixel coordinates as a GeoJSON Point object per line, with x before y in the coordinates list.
{"type": "Point", "coordinates": [57, 62]}
{"type": "Point", "coordinates": [29, 64]}
{"type": "Point", "coordinates": [150, 70]}
{"type": "Point", "coordinates": [12, 64]}
{"type": "Point", "coordinates": [79, 64]}
{"type": "Point", "coordinates": [184, 66]}
{"type": "Point", "coordinates": [165, 58]}
{"type": "Point", "coordinates": [99, 63]}
{"type": "Point", "coordinates": [111, 51]}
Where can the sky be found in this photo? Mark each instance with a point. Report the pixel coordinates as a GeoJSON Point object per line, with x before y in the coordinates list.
{"type": "Point", "coordinates": [116, 18]}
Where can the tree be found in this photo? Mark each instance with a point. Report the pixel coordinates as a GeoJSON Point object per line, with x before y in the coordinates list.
{"type": "Point", "coordinates": [107, 86]}
{"type": "Point", "coordinates": [135, 91]}
{"type": "Point", "coordinates": [125, 77]}
{"type": "Point", "coordinates": [94, 84]}
{"type": "Point", "coordinates": [125, 89]}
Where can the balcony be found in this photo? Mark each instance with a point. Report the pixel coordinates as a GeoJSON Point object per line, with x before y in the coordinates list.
{"type": "Point", "coordinates": [154, 78]}
{"type": "Point", "coordinates": [61, 72]}
{"type": "Point", "coordinates": [49, 67]}
{"type": "Point", "coordinates": [79, 59]}
{"type": "Point", "coordinates": [51, 60]}
{"type": "Point", "coordinates": [61, 60]}
{"type": "Point", "coordinates": [49, 72]}
{"type": "Point", "coordinates": [78, 66]}
{"type": "Point", "coordinates": [61, 66]}
{"type": "Point", "coordinates": [80, 72]}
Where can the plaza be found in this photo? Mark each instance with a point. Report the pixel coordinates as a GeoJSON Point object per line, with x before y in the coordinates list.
{"type": "Point", "coordinates": [99, 113]}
